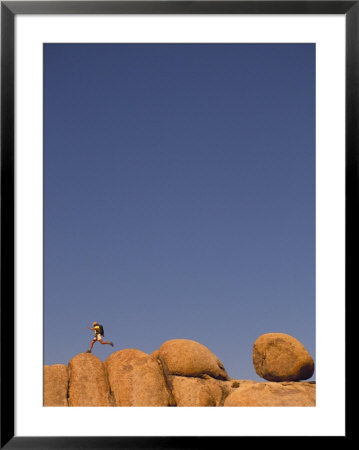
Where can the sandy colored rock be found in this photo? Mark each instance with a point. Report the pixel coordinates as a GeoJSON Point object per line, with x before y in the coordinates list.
{"type": "Point", "coordinates": [56, 381]}
{"type": "Point", "coordinates": [88, 382]}
{"type": "Point", "coordinates": [136, 379]}
{"type": "Point", "coordinates": [183, 357]}
{"type": "Point", "coordinates": [281, 357]}
{"type": "Point", "coordinates": [273, 394]}
{"type": "Point", "coordinates": [191, 391]}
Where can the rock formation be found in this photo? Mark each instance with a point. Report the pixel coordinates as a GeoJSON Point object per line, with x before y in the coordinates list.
{"type": "Point", "coordinates": [280, 357]}
{"type": "Point", "coordinates": [136, 379]}
{"type": "Point", "coordinates": [88, 382]}
{"type": "Point", "coordinates": [273, 394]}
{"type": "Point", "coordinates": [183, 372]}
{"type": "Point", "coordinates": [184, 357]}
{"type": "Point", "coordinates": [56, 383]}
{"type": "Point", "coordinates": [192, 391]}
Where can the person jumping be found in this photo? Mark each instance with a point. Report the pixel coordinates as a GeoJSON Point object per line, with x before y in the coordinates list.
{"type": "Point", "coordinates": [98, 329]}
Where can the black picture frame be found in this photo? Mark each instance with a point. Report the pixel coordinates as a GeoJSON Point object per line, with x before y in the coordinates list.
{"type": "Point", "coordinates": [9, 9]}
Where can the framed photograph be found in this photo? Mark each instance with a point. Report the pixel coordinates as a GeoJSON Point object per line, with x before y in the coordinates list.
{"type": "Point", "coordinates": [179, 193]}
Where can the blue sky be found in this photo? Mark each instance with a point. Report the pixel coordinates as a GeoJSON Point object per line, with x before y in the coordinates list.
{"type": "Point", "coordinates": [179, 196]}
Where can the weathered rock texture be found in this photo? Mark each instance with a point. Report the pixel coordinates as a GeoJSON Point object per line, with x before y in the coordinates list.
{"type": "Point", "coordinates": [182, 373]}
{"type": "Point", "coordinates": [192, 391]}
{"type": "Point", "coordinates": [136, 379]}
{"type": "Point", "coordinates": [273, 394]}
{"type": "Point", "coordinates": [281, 357]}
{"type": "Point", "coordinates": [183, 357]}
{"type": "Point", "coordinates": [56, 382]}
{"type": "Point", "coordinates": [88, 382]}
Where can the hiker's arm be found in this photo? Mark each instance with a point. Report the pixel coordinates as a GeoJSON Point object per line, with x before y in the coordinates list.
{"type": "Point", "coordinates": [90, 328]}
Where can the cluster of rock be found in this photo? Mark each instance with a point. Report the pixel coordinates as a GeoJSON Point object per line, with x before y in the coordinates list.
{"type": "Point", "coordinates": [183, 373]}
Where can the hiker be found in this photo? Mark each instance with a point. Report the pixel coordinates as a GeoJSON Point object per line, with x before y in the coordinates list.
{"type": "Point", "coordinates": [98, 329]}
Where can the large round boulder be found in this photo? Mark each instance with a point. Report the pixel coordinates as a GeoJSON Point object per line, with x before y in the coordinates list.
{"type": "Point", "coordinates": [56, 382]}
{"type": "Point", "coordinates": [88, 382]}
{"type": "Point", "coordinates": [273, 394]}
{"type": "Point", "coordinates": [183, 357]}
{"type": "Point", "coordinates": [136, 379]}
{"type": "Point", "coordinates": [281, 357]}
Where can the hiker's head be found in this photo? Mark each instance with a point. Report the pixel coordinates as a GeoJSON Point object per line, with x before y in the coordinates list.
{"type": "Point", "coordinates": [94, 324]}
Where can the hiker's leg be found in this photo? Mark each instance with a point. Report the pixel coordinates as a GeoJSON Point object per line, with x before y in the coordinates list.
{"type": "Point", "coordinates": [103, 342]}
{"type": "Point", "coordinates": [92, 343]}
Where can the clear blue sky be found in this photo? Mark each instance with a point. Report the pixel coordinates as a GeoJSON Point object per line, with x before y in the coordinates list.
{"type": "Point", "coordinates": [179, 197]}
